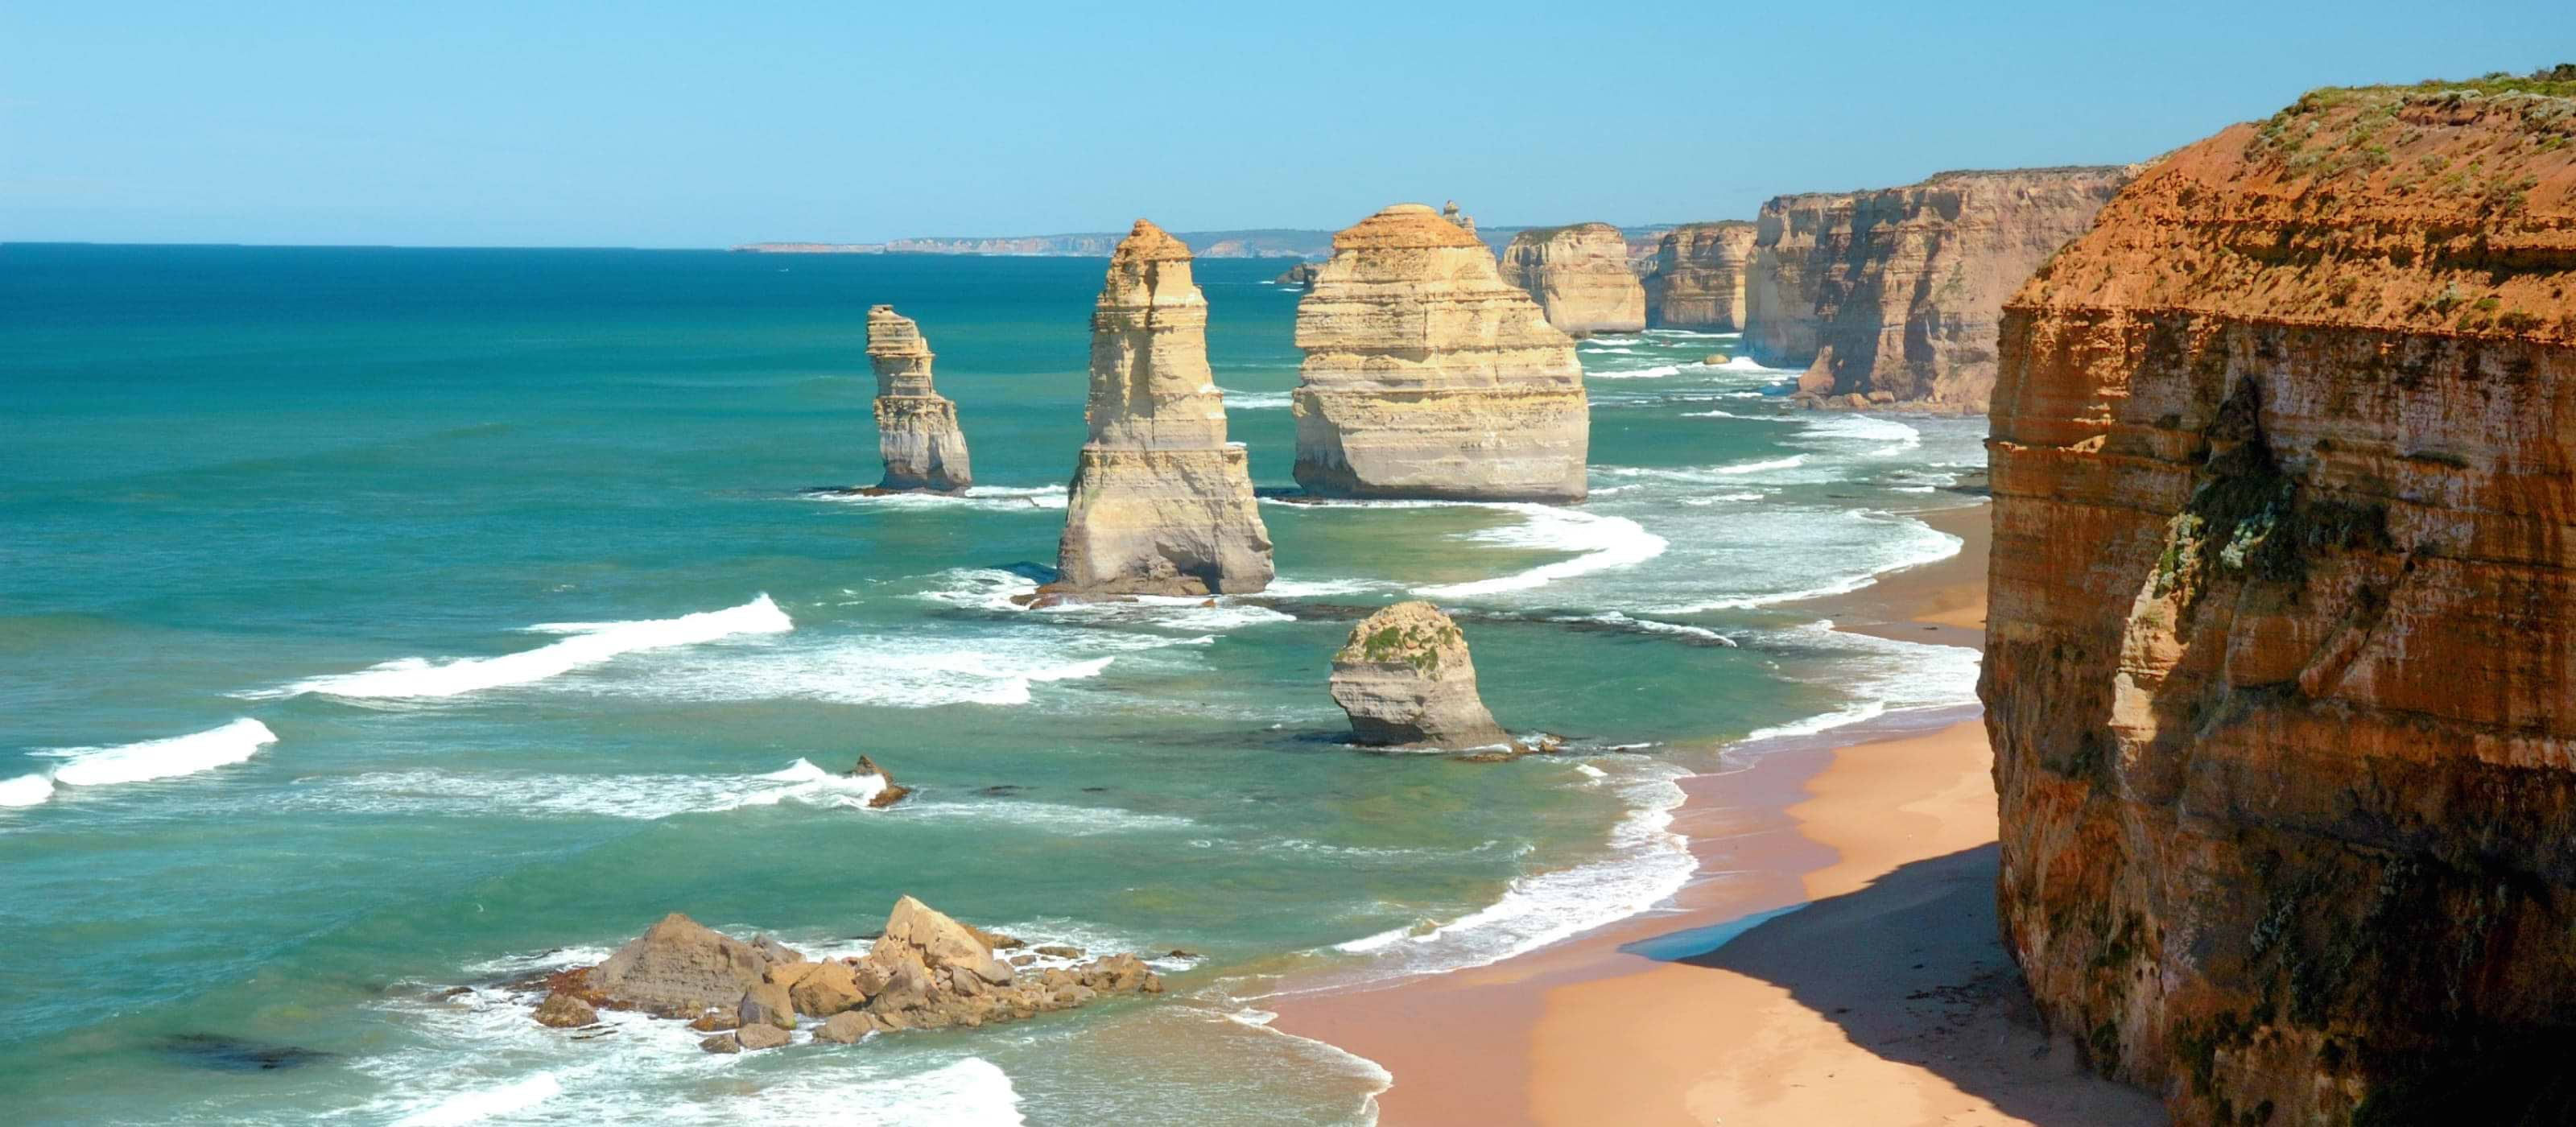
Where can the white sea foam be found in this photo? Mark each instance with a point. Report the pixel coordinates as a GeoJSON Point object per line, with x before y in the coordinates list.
{"type": "Point", "coordinates": [1791, 462]}
{"type": "Point", "coordinates": [1255, 400]}
{"type": "Point", "coordinates": [158, 759]}
{"type": "Point", "coordinates": [1645, 863]}
{"type": "Point", "coordinates": [1604, 542]}
{"type": "Point", "coordinates": [588, 643]}
{"type": "Point", "coordinates": [1308, 589]}
{"type": "Point", "coordinates": [1688, 334]}
{"type": "Point", "coordinates": [26, 790]}
{"type": "Point", "coordinates": [1722, 499]}
{"type": "Point", "coordinates": [1876, 675]}
{"type": "Point", "coordinates": [1919, 544]}
{"type": "Point", "coordinates": [909, 670]}
{"type": "Point", "coordinates": [1746, 364]}
{"type": "Point", "coordinates": [477, 1106]}
{"type": "Point", "coordinates": [1648, 625]}
{"type": "Point", "coordinates": [995, 590]}
{"type": "Point", "coordinates": [1657, 372]}
{"type": "Point", "coordinates": [637, 796]}
{"type": "Point", "coordinates": [1609, 343]}
{"type": "Point", "coordinates": [1823, 722]}
{"type": "Point", "coordinates": [991, 498]}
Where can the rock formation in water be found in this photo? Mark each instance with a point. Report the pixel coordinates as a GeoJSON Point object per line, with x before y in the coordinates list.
{"type": "Point", "coordinates": [1579, 275]}
{"type": "Point", "coordinates": [1696, 280]}
{"type": "Point", "coordinates": [1427, 376]}
{"type": "Point", "coordinates": [1898, 291]}
{"type": "Point", "coordinates": [916, 426]}
{"type": "Point", "coordinates": [1161, 503]}
{"type": "Point", "coordinates": [1405, 679]}
{"type": "Point", "coordinates": [2284, 614]}
{"type": "Point", "coordinates": [925, 971]}
{"type": "Point", "coordinates": [1302, 276]}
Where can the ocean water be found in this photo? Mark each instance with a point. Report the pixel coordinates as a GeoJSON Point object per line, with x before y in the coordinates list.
{"type": "Point", "coordinates": [376, 622]}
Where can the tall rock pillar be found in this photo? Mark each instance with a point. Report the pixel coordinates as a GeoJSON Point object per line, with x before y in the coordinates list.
{"type": "Point", "coordinates": [916, 427]}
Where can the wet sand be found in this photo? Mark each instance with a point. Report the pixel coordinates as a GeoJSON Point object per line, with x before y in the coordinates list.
{"type": "Point", "coordinates": [1834, 962]}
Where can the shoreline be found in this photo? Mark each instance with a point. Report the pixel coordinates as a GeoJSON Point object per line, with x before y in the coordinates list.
{"type": "Point", "coordinates": [1833, 960]}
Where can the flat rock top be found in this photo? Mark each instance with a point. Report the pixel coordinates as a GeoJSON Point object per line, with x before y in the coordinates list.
{"type": "Point", "coordinates": [2438, 209]}
{"type": "Point", "coordinates": [893, 334]}
{"type": "Point", "coordinates": [1404, 225]}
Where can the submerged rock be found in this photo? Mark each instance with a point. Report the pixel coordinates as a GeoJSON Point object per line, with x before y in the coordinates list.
{"type": "Point", "coordinates": [1161, 503]}
{"type": "Point", "coordinates": [679, 967]}
{"type": "Point", "coordinates": [1579, 276]}
{"type": "Point", "coordinates": [1427, 376]}
{"type": "Point", "coordinates": [917, 430]}
{"type": "Point", "coordinates": [1404, 679]}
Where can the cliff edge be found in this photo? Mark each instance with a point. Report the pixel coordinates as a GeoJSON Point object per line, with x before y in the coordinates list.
{"type": "Point", "coordinates": [1894, 294]}
{"type": "Point", "coordinates": [2283, 616]}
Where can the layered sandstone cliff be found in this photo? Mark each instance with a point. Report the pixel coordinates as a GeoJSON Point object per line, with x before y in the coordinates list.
{"type": "Point", "coordinates": [1896, 293]}
{"type": "Point", "coordinates": [1696, 279]}
{"type": "Point", "coordinates": [1161, 503]}
{"type": "Point", "coordinates": [917, 428]}
{"type": "Point", "coordinates": [1404, 678]}
{"type": "Point", "coordinates": [2284, 614]}
{"type": "Point", "coordinates": [1579, 276]}
{"type": "Point", "coordinates": [1427, 376]}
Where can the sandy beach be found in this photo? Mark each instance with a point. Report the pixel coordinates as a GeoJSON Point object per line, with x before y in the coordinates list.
{"type": "Point", "coordinates": [1834, 962]}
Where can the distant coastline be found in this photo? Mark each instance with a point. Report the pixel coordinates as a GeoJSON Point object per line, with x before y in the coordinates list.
{"type": "Point", "coordinates": [1267, 242]}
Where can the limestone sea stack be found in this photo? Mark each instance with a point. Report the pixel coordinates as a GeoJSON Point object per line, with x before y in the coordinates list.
{"type": "Point", "coordinates": [1894, 294]}
{"type": "Point", "coordinates": [1161, 503]}
{"type": "Point", "coordinates": [916, 427]}
{"type": "Point", "coordinates": [1580, 277]}
{"type": "Point", "coordinates": [2283, 611]}
{"type": "Point", "coordinates": [1404, 679]}
{"type": "Point", "coordinates": [1696, 279]}
{"type": "Point", "coordinates": [1428, 376]}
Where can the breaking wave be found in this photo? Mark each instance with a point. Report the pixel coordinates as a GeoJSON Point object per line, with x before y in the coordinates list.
{"type": "Point", "coordinates": [590, 643]}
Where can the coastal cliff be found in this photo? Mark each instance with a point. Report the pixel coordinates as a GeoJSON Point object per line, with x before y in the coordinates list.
{"type": "Point", "coordinates": [2278, 676]}
{"type": "Point", "coordinates": [917, 430]}
{"type": "Point", "coordinates": [1696, 278]}
{"type": "Point", "coordinates": [1427, 376]}
{"type": "Point", "coordinates": [1894, 294]}
{"type": "Point", "coordinates": [1579, 275]}
{"type": "Point", "coordinates": [1161, 503]}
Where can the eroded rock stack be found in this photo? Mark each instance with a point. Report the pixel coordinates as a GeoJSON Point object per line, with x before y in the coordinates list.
{"type": "Point", "coordinates": [1428, 376]}
{"type": "Point", "coordinates": [1161, 503]}
{"type": "Point", "coordinates": [1894, 295]}
{"type": "Point", "coordinates": [925, 971]}
{"type": "Point", "coordinates": [2279, 662]}
{"type": "Point", "coordinates": [1696, 280]}
{"type": "Point", "coordinates": [1405, 679]}
{"type": "Point", "coordinates": [917, 428]}
{"type": "Point", "coordinates": [1579, 276]}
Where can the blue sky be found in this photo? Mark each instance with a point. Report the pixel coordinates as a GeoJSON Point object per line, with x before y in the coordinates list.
{"type": "Point", "coordinates": [652, 124]}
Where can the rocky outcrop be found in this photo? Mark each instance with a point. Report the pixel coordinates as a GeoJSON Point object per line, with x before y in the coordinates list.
{"type": "Point", "coordinates": [1899, 290]}
{"type": "Point", "coordinates": [678, 967]}
{"type": "Point", "coordinates": [1579, 275]}
{"type": "Point", "coordinates": [925, 971]}
{"type": "Point", "coordinates": [1404, 679]}
{"type": "Point", "coordinates": [916, 426]}
{"type": "Point", "coordinates": [2284, 612]}
{"type": "Point", "coordinates": [1161, 503]}
{"type": "Point", "coordinates": [1696, 279]}
{"type": "Point", "coordinates": [888, 792]}
{"type": "Point", "coordinates": [1302, 275]}
{"type": "Point", "coordinates": [1427, 376]}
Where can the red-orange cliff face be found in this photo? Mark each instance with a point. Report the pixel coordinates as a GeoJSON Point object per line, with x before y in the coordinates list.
{"type": "Point", "coordinates": [2283, 613]}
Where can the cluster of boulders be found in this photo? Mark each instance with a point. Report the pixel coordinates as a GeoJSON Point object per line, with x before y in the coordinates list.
{"type": "Point", "coordinates": [926, 971]}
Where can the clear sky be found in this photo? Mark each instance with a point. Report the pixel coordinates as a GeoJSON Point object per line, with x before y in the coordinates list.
{"type": "Point", "coordinates": [706, 124]}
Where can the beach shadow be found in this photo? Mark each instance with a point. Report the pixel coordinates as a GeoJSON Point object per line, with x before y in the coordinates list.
{"type": "Point", "coordinates": [1911, 969]}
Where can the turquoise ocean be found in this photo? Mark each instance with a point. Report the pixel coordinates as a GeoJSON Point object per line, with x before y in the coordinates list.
{"type": "Point", "coordinates": [379, 622]}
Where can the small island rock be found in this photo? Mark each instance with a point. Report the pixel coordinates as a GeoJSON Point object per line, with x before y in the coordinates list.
{"type": "Point", "coordinates": [1404, 678]}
